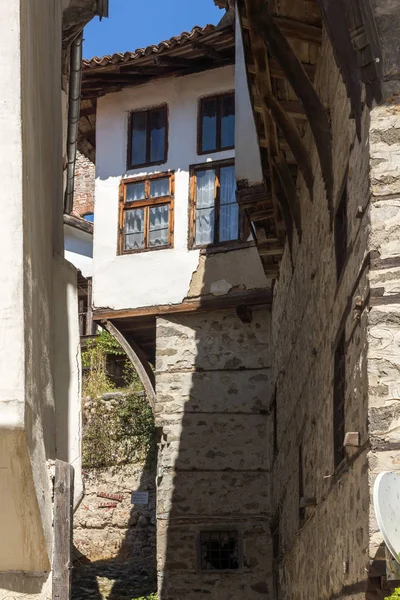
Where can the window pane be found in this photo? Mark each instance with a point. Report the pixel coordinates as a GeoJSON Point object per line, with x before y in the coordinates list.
{"type": "Point", "coordinates": [138, 153]}
{"type": "Point", "coordinates": [205, 188]}
{"type": "Point", "coordinates": [228, 222]}
{"type": "Point", "coordinates": [227, 185]}
{"type": "Point", "coordinates": [134, 229]}
{"type": "Point", "coordinates": [229, 209]}
{"type": "Point", "coordinates": [159, 187]}
{"type": "Point", "coordinates": [159, 216]}
{"type": "Point", "coordinates": [157, 135]}
{"type": "Point", "coordinates": [228, 121]}
{"type": "Point", "coordinates": [204, 226]}
{"type": "Point", "coordinates": [209, 124]}
{"type": "Point", "coordinates": [135, 191]}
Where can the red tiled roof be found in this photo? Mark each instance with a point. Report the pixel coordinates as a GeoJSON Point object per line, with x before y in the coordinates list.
{"type": "Point", "coordinates": [178, 40]}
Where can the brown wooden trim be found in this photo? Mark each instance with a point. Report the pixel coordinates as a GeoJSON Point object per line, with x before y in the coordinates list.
{"type": "Point", "coordinates": [78, 223]}
{"type": "Point", "coordinates": [378, 263]}
{"type": "Point", "coordinates": [145, 204]}
{"type": "Point", "coordinates": [137, 358]}
{"type": "Point", "coordinates": [148, 163]}
{"type": "Point", "coordinates": [258, 297]}
{"type": "Point", "coordinates": [218, 98]}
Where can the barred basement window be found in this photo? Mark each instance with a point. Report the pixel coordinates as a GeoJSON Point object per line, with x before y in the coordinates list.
{"type": "Point", "coordinates": [146, 213]}
{"type": "Point", "coordinates": [341, 233]}
{"type": "Point", "coordinates": [338, 401]}
{"type": "Point", "coordinates": [219, 550]}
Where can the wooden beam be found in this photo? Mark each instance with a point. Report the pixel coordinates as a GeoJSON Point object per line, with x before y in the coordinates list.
{"type": "Point", "coordinates": [270, 247]}
{"type": "Point", "coordinates": [293, 138]}
{"type": "Point", "coordinates": [63, 520]}
{"type": "Point", "coordinates": [295, 29]}
{"type": "Point", "coordinates": [291, 107]}
{"type": "Point", "coordinates": [277, 72]}
{"type": "Point", "coordinates": [272, 36]}
{"type": "Point", "coordinates": [257, 297]}
{"type": "Point", "coordinates": [334, 15]}
{"type": "Point", "coordinates": [137, 358]}
{"type": "Point", "coordinates": [264, 88]}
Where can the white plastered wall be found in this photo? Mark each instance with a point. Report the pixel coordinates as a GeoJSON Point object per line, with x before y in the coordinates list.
{"type": "Point", "coordinates": [162, 276]}
{"type": "Point", "coordinates": [248, 162]}
{"type": "Point", "coordinates": [31, 143]}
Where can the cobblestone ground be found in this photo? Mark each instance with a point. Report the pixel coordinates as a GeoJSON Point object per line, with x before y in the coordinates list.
{"type": "Point", "coordinates": [111, 580]}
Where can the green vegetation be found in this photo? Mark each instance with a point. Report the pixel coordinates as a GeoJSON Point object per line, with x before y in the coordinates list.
{"type": "Point", "coordinates": [151, 597]}
{"type": "Point", "coordinates": [96, 379]}
{"type": "Point", "coordinates": [395, 595]}
{"type": "Point", "coordinates": [120, 429]}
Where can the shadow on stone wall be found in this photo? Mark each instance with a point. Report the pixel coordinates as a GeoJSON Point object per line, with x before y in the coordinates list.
{"type": "Point", "coordinates": [215, 447]}
{"type": "Point", "coordinates": [115, 569]}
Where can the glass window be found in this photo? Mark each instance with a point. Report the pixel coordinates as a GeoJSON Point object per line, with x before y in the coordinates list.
{"type": "Point", "coordinates": [217, 123]}
{"type": "Point", "coordinates": [216, 212]}
{"type": "Point", "coordinates": [148, 137]}
{"type": "Point", "coordinates": [149, 224]}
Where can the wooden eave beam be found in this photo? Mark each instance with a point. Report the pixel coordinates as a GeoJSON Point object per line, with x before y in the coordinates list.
{"type": "Point", "coordinates": [275, 40]}
{"type": "Point", "coordinates": [293, 138]}
{"type": "Point", "coordinates": [295, 29]}
{"type": "Point", "coordinates": [277, 72]}
{"type": "Point", "coordinates": [264, 88]}
{"type": "Point", "coordinates": [334, 15]}
{"type": "Point", "coordinates": [139, 361]}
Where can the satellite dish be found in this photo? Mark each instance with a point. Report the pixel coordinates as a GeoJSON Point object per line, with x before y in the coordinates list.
{"type": "Point", "coordinates": [387, 510]}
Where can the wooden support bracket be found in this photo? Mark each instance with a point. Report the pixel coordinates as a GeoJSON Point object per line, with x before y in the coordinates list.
{"type": "Point", "coordinates": [269, 31]}
{"type": "Point", "coordinates": [139, 361]}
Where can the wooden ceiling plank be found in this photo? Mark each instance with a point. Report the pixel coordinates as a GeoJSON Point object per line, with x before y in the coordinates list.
{"type": "Point", "coordinates": [317, 116]}
{"type": "Point", "coordinates": [295, 29]}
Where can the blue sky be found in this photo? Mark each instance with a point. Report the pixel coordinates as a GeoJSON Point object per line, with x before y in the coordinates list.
{"type": "Point", "coordinates": [138, 23]}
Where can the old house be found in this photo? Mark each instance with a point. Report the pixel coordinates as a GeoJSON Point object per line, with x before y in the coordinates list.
{"type": "Point", "coordinates": [39, 367]}
{"type": "Point", "coordinates": [246, 248]}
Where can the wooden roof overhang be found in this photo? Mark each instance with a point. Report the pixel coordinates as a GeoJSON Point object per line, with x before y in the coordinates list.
{"type": "Point", "coordinates": [281, 41]}
{"type": "Point", "coordinates": [199, 50]}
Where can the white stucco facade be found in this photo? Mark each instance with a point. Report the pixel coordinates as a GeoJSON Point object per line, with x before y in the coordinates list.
{"type": "Point", "coordinates": [40, 361]}
{"type": "Point", "coordinates": [163, 276]}
{"type": "Point", "coordinates": [78, 249]}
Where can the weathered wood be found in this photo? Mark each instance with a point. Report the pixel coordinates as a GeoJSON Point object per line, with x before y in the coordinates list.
{"type": "Point", "coordinates": [295, 29]}
{"type": "Point", "coordinates": [63, 520]}
{"type": "Point", "coordinates": [352, 438]}
{"type": "Point", "coordinates": [274, 39]}
{"type": "Point", "coordinates": [253, 298]}
{"type": "Point", "coordinates": [334, 15]}
{"type": "Point", "coordinates": [139, 361]}
{"type": "Point", "coordinates": [293, 138]}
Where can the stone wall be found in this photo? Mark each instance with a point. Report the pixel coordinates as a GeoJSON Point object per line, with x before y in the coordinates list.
{"type": "Point", "coordinates": [85, 177]}
{"type": "Point", "coordinates": [215, 448]}
{"type": "Point", "coordinates": [115, 535]}
{"type": "Point", "coordinates": [322, 550]}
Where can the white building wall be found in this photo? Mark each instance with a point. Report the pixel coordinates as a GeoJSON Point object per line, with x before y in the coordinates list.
{"type": "Point", "coordinates": [162, 276]}
{"type": "Point", "coordinates": [248, 162]}
{"type": "Point", "coordinates": [31, 149]}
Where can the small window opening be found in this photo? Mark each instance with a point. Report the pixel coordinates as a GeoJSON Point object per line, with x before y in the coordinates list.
{"type": "Point", "coordinates": [216, 123]}
{"type": "Point", "coordinates": [89, 217]}
{"type": "Point", "coordinates": [341, 233]}
{"type": "Point", "coordinates": [148, 137]}
{"type": "Point", "coordinates": [219, 550]}
{"type": "Point", "coordinates": [339, 400]}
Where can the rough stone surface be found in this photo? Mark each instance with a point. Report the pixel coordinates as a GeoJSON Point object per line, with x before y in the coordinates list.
{"type": "Point", "coordinates": [213, 396]}
{"type": "Point", "coordinates": [85, 174]}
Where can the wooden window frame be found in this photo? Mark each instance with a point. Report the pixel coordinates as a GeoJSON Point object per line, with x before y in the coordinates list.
{"type": "Point", "coordinates": [218, 148]}
{"type": "Point", "coordinates": [146, 203]}
{"type": "Point", "coordinates": [241, 239]}
{"type": "Point", "coordinates": [147, 163]}
{"type": "Point", "coordinates": [339, 401]}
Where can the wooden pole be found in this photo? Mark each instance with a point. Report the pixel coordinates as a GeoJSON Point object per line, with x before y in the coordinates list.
{"type": "Point", "coordinates": [63, 520]}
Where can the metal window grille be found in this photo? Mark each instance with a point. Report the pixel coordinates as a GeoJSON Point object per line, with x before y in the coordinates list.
{"type": "Point", "coordinates": [338, 400]}
{"type": "Point", "coordinates": [341, 233]}
{"type": "Point", "coordinates": [219, 550]}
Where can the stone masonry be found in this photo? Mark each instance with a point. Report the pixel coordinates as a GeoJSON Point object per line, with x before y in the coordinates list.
{"type": "Point", "coordinates": [326, 542]}
{"type": "Point", "coordinates": [213, 394]}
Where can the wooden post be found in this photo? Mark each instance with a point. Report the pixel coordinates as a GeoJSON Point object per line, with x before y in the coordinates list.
{"type": "Point", "coordinates": [63, 519]}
